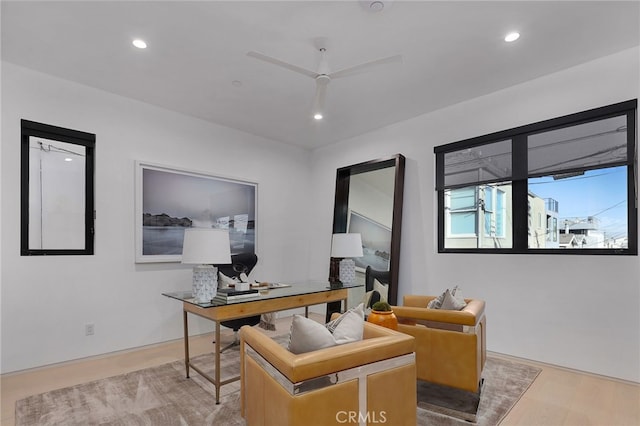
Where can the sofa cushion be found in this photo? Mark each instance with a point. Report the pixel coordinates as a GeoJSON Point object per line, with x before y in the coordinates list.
{"type": "Point", "coordinates": [307, 335]}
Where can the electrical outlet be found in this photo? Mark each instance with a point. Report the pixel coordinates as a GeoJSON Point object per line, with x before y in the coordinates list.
{"type": "Point", "coordinates": [89, 329]}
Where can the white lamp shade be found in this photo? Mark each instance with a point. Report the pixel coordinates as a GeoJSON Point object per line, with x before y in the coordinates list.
{"type": "Point", "coordinates": [346, 245]}
{"type": "Point", "coordinates": [206, 246]}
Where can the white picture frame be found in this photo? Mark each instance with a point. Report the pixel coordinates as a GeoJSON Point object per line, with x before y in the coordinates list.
{"type": "Point", "coordinates": [169, 200]}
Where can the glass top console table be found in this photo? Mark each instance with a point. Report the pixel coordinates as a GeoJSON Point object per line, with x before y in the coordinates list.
{"type": "Point", "coordinates": [300, 295]}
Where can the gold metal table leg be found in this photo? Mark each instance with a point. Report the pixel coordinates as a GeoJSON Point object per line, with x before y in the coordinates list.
{"type": "Point", "coordinates": [186, 342]}
{"type": "Point", "coordinates": [217, 355]}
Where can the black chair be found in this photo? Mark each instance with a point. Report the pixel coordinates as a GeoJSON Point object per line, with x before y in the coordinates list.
{"type": "Point", "coordinates": [373, 274]}
{"type": "Point", "coordinates": [240, 263]}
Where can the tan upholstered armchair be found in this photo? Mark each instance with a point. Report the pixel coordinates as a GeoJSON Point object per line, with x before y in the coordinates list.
{"type": "Point", "coordinates": [372, 380]}
{"type": "Point", "coordinates": [450, 345]}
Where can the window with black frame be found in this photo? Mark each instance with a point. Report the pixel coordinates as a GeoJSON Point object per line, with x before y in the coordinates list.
{"type": "Point", "coordinates": [57, 191]}
{"type": "Point", "coordinates": [565, 185]}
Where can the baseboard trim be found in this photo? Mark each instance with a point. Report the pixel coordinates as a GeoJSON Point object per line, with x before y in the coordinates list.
{"type": "Point", "coordinates": [560, 367]}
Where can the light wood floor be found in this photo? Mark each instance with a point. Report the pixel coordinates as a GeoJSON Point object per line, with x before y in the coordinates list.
{"type": "Point", "coordinates": [557, 397]}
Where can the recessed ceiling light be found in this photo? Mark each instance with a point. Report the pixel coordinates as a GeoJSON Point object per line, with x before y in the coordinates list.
{"type": "Point", "coordinates": [376, 6]}
{"type": "Point", "coordinates": [317, 116]}
{"type": "Point", "coordinates": [512, 36]}
{"type": "Point", "coordinates": [68, 159]}
{"type": "Point", "coordinates": [140, 44]}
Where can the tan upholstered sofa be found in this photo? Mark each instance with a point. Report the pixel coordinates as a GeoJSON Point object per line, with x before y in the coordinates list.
{"type": "Point", "coordinates": [371, 381]}
{"type": "Point", "coordinates": [450, 345]}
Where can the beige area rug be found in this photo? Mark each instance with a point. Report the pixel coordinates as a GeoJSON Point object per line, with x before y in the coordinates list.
{"type": "Point", "coordinates": [156, 396]}
{"type": "Point", "coordinates": [162, 396]}
{"type": "Point", "coordinates": [504, 384]}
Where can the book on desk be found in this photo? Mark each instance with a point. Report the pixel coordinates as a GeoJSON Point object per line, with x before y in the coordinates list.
{"type": "Point", "coordinates": [230, 294]}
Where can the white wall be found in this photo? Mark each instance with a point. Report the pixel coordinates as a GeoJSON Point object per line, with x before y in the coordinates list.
{"type": "Point", "coordinates": [46, 301]}
{"type": "Point", "coordinates": [581, 312]}
{"type": "Point", "coordinates": [577, 311]}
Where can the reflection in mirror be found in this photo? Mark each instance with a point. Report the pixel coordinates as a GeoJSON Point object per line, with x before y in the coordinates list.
{"type": "Point", "coordinates": [371, 215]}
{"type": "Point", "coordinates": [369, 201]}
{"type": "Point", "coordinates": [57, 190]}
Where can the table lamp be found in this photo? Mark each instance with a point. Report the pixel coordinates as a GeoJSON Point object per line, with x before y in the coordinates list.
{"type": "Point", "coordinates": [343, 248]}
{"type": "Point", "coordinates": [205, 247]}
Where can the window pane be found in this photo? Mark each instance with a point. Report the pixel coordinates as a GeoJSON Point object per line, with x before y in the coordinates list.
{"type": "Point", "coordinates": [488, 199]}
{"type": "Point", "coordinates": [463, 199]}
{"type": "Point", "coordinates": [573, 179]}
{"type": "Point", "coordinates": [462, 223]}
{"type": "Point", "coordinates": [582, 146]}
{"type": "Point", "coordinates": [488, 221]}
{"type": "Point", "coordinates": [56, 195]}
{"type": "Point", "coordinates": [587, 211]}
{"type": "Point", "coordinates": [500, 213]}
{"type": "Point", "coordinates": [479, 164]}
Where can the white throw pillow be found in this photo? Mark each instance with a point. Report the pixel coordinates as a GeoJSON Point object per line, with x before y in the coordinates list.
{"type": "Point", "coordinates": [307, 335]}
{"type": "Point", "coordinates": [452, 301]}
{"type": "Point", "coordinates": [437, 302]}
{"type": "Point", "coordinates": [382, 289]}
{"type": "Point", "coordinates": [350, 326]}
{"type": "Point", "coordinates": [457, 293]}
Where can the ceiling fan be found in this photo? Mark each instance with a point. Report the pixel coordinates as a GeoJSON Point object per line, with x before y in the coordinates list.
{"type": "Point", "coordinates": [323, 74]}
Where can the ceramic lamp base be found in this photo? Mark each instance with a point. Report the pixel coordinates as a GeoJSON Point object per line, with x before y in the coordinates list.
{"type": "Point", "coordinates": [347, 271]}
{"type": "Point", "coordinates": [205, 283]}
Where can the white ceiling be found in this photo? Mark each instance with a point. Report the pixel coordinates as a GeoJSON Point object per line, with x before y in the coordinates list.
{"type": "Point", "coordinates": [452, 51]}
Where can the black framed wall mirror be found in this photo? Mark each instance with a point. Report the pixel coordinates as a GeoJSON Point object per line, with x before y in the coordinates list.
{"type": "Point", "coordinates": [56, 189]}
{"type": "Point", "coordinates": [368, 200]}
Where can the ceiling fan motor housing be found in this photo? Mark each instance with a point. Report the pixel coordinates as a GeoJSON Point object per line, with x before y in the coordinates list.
{"type": "Point", "coordinates": [323, 79]}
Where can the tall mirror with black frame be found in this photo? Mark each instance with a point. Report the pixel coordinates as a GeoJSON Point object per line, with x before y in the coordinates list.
{"type": "Point", "coordinates": [57, 200]}
{"type": "Point", "coordinates": [368, 201]}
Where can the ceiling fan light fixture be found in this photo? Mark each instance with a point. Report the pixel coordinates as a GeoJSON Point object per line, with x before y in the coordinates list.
{"type": "Point", "coordinates": [512, 36]}
{"type": "Point", "coordinates": [318, 101]}
{"type": "Point", "coordinates": [139, 43]}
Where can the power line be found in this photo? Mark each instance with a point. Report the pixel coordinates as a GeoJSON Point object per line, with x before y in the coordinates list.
{"type": "Point", "coordinates": [609, 208]}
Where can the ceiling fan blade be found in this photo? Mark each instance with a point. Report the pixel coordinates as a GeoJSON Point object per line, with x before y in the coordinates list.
{"type": "Point", "coordinates": [283, 64]}
{"type": "Point", "coordinates": [363, 67]}
{"type": "Point", "coordinates": [318, 100]}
